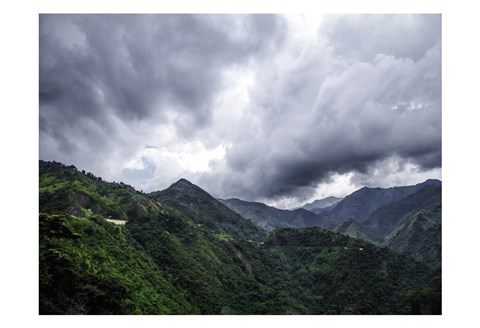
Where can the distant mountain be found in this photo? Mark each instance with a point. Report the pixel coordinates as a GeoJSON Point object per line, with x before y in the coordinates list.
{"type": "Point", "coordinates": [270, 218]}
{"type": "Point", "coordinates": [411, 225]}
{"type": "Point", "coordinates": [361, 204]}
{"type": "Point", "coordinates": [420, 236]}
{"type": "Point", "coordinates": [204, 209]}
{"type": "Point", "coordinates": [388, 217]}
{"type": "Point", "coordinates": [375, 214]}
{"type": "Point", "coordinates": [321, 203]}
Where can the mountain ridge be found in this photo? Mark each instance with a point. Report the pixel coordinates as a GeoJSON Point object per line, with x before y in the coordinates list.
{"type": "Point", "coordinates": [321, 203]}
{"type": "Point", "coordinates": [269, 217]}
{"type": "Point", "coordinates": [360, 204]}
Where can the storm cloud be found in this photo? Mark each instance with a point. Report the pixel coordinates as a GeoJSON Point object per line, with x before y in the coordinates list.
{"type": "Point", "coordinates": [102, 74]}
{"type": "Point", "coordinates": [259, 107]}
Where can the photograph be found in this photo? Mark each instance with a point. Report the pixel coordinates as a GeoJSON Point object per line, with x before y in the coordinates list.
{"type": "Point", "coordinates": [239, 164]}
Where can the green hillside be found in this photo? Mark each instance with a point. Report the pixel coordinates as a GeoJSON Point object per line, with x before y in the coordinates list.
{"type": "Point", "coordinates": [195, 203]}
{"type": "Point", "coordinates": [186, 253]}
{"type": "Point", "coordinates": [91, 266]}
{"type": "Point", "coordinates": [64, 189]}
{"type": "Point", "coordinates": [346, 275]}
{"type": "Point", "coordinates": [420, 236]}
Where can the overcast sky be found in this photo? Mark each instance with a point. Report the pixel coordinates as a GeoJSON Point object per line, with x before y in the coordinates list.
{"type": "Point", "coordinates": [279, 109]}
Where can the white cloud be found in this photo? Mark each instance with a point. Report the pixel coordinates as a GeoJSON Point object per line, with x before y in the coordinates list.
{"type": "Point", "coordinates": [171, 163]}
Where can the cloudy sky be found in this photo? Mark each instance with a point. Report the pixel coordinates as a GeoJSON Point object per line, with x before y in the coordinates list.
{"type": "Point", "coordinates": [272, 108]}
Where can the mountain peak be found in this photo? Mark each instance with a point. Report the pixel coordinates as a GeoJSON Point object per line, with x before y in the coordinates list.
{"type": "Point", "coordinates": [183, 181]}
{"type": "Point", "coordinates": [432, 182]}
{"type": "Point", "coordinates": [198, 205]}
{"type": "Point", "coordinates": [183, 186]}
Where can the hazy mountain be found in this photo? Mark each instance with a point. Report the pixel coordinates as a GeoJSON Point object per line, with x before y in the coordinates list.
{"type": "Point", "coordinates": [420, 236]}
{"type": "Point", "coordinates": [321, 203]}
{"type": "Point", "coordinates": [270, 218]}
{"type": "Point", "coordinates": [388, 217]}
{"type": "Point", "coordinates": [361, 204]}
{"type": "Point", "coordinates": [411, 225]}
{"type": "Point", "coordinates": [185, 253]}
{"type": "Point", "coordinates": [387, 209]}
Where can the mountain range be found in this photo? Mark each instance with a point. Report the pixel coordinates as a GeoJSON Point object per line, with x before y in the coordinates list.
{"type": "Point", "coordinates": [269, 218]}
{"type": "Point", "coordinates": [318, 205]}
{"type": "Point", "coordinates": [372, 214]}
{"type": "Point", "coordinates": [363, 203]}
{"type": "Point", "coordinates": [181, 251]}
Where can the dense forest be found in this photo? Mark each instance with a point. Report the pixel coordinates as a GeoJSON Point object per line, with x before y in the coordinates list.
{"type": "Point", "coordinates": [181, 251]}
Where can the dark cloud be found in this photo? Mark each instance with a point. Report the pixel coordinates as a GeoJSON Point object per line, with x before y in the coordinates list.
{"type": "Point", "coordinates": [97, 69]}
{"type": "Point", "coordinates": [360, 97]}
{"type": "Point", "coordinates": [384, 101]}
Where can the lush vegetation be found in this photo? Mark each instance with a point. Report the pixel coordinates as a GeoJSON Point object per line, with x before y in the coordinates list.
{"type": "Point", "coordinates": [347, 275]}
{"type": "Point", "coordinates": [91, 266]}
{"type": "Point", "coordinates": [198, 205]}
{"type": "Point", "coordinates": [64, 189]}
{"type": "Point", "coordinates": [209, 265]}
{"type": "Point", "coordinates": [404, 219]}
{"type": "Point", "coordinates": [181, 251]}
